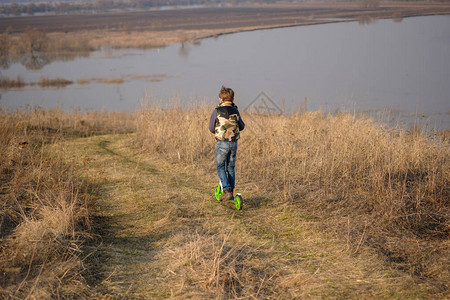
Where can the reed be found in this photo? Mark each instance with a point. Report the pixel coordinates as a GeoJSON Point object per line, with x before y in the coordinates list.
{"type": "Point", "coordinates": [66, 44]}
{"type": "Point", "coordinates": [373, 185]}
{"type": "Point", "coordinates": [7, 83]}
{"type": "Point", "coordinates": [83, 81]}
{"type": "Point", "coordinates": [57, 82]}
{"type": "Point", "coordinates": [109, 80]}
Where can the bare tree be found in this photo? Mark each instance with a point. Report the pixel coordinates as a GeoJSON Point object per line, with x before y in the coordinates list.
{"type": "Point", "coordinates": [370, 3]}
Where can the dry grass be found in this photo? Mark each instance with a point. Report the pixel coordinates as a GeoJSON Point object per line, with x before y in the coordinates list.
{"type": "Point", "coordinates": [164, 236]}
{"type": "Point", "coordinates": [37, 41]}
{"type": "Point", "coordinates": [57, 82]}
{"type": "Point", "coordinates": [55, 122]}
{"type": "Point", "coordinates": [377, 187]}
{"type": "Point", "coordinates": [210, 265]}
{"type": "Point", "coordinates": [109, 80]}
{"type": "Point", "coordinates": [67, 44]}
{"type": "Point", "coordinates": [83, 81]}
{"type": "Point", "coordinates": [385, 188]}
{"type": "Point", "coordinates": [368, 188]}
{"type": "Point", "coordinates": [138, 39]}
{"type": "Point", "coordinates": [149, 77]}
{"type": "Point", "coordinates": [44, 82]}
{"type": "Point", "coordinates": [44, 212]}
{"type": "Point", "coordinates": [101, 80]}
{"type": "Point", "coordinates": [6, 83]}
{"type": "Point", "coordinates": [86, 41]}
{"type": "Point", "coordinates": [159, 130]}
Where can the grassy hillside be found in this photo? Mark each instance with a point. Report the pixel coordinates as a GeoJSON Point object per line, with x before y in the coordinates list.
{"type": "Point", "coordinates": [44, 206]}
{"type": "Point", "coordinates": [121, 205]}
{"type": "Point", "coordinates": [387, 189]}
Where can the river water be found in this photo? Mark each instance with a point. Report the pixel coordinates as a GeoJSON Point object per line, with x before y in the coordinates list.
{"type": "Point", "coordinates": [398, 66]}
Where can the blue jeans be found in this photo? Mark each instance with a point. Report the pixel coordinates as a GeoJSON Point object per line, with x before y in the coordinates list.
{"type": "Point", "coordinates": [225, 162]}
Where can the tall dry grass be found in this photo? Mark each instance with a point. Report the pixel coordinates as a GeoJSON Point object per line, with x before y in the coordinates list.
{"type": "Point", "coordinates": [386, 188]}
{"type": "Point", "coordinates": [176, 131]}
{"type": "Point", "coordinates": [6, 83]}
{"type": "Point", "coordinates": [57, 82]}
{"type": "Point", "coordinates": [72, 123]}
{"type": "Point", "coordinates": [44, 208]}
{"type": "Point", "coordinates": [219, 268]}
{"type": "Point", "coordinates": [35, 41]}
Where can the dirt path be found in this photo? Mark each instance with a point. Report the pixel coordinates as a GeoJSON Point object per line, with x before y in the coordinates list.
{"type": "Point", "coordinates": [161, 234]}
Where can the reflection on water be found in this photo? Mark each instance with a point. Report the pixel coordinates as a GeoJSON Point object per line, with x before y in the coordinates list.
{"type": "Point", "coordinates": [402, 68]}
{"type": "Point", "coordinates": [5, 62]}
{"type": "Point", "coordinates": [366, 20]}
{"type": "Point", "coordinates": [397, 19]}
{"type": "Point", "coordinates": [36, 60]}
{"type": "Point", "coordinates": [183, 51]}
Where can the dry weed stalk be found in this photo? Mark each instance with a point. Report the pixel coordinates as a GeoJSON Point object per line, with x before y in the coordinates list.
{"type": "Point", "coordinates": [211, 265]}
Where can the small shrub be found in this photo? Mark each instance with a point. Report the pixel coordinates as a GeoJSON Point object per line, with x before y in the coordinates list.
{"type": "Point", "coordinates": [34, 41]}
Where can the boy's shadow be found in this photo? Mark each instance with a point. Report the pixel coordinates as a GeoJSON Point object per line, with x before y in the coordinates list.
{"type": "Point", "coordinates": [255, 202]}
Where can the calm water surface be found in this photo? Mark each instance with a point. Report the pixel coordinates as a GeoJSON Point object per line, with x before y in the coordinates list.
{"type": "Point", "coordinates": [400, 66]}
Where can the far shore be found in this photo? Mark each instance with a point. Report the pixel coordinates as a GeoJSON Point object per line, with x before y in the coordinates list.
{"type": "Point", "coordinates": [150, 29]}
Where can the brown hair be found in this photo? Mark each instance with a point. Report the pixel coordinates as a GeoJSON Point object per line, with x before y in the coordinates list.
{"type": "Point", "coordinates": [226, 94]}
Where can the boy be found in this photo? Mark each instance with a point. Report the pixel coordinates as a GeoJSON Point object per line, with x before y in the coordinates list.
{"type": "Point", "coordinates": [225, 123]}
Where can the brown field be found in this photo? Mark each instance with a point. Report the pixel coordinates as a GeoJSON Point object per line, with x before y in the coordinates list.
{"type": "Point", "coordinates": [159, 28]}
{"type": "Point", "coordinates": [118, 206]}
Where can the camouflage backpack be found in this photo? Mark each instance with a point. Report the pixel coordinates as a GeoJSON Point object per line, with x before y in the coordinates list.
{"type": "Point", "coordinates": [227, 122]}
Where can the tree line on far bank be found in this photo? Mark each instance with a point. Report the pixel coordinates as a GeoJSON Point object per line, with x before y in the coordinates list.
{"type": "Point", "coordinates": [16, 9]}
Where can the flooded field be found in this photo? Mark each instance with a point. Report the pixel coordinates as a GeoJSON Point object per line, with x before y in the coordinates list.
{"type": "Point", "coordinates": [400, 67]}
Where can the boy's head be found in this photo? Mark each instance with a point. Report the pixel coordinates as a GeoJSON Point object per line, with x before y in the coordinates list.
{"type": "Point", "coordinates": [226, 94]}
